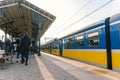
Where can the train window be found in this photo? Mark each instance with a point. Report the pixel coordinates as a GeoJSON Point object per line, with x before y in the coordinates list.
{"type": "Point", "coordinates": [65, 42]}
{"type": "Point", "coordinates": [55, 45]}
{"type": "Point", "coordinates": [52, 45]}
{"type": "Point", "coordinates": [93, 39]}
{"type": "Point", "coordinates": [71, 42]}
{"type": "Point", "coordinates": [79, 41]}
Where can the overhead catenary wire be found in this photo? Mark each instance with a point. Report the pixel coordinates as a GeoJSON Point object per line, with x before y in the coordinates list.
{"type": "Point", "coordinates": [75, 14]}
{"type": "Point", "coordinates": [84, 16]}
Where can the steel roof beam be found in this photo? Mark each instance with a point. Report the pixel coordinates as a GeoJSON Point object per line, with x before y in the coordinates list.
{"type": "Point", "coordinates": [36, 11]}
{"type": "Point", "coordinates": [8, 5]}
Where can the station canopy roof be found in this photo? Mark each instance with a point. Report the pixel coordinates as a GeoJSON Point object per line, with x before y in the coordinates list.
{"type": "Point", "coordinates": [20, 16]}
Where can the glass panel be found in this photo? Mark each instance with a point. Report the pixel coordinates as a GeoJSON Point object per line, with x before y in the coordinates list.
{"type": "Point", "coordinates": [79, 40]}
{"type": "Point", "coordinates": [71, 42]}
{"type": "Point", "coordinates": [55, 45]}
{"type": "Point", "coordinates": [93, 39]}
{"type": "Point", "coordinates": [65, 42]}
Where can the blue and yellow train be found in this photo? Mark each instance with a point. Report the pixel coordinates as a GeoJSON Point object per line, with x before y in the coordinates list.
{"type": "Point", "coordinates": [98, 44]}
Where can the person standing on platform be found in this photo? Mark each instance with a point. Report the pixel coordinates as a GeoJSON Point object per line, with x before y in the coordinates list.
{"type": "Point", "coordinates": [7, 47]}
{"type": "Point", "coordinates": [25, 46]}
{"type": "Point", "coordinates": [18, 42]}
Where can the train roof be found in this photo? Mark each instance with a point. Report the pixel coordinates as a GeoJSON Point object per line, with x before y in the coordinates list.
{"type": "Point", "coordinates": [96, 24]}
{"type": "Point", "coordinates": [20, 16]}
{"type": "Point", "coordinates": [113, 18]}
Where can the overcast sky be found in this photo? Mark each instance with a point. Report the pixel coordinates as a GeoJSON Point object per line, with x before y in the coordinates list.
{"type": "Point", "coordinates": [72, 15]}
{"type": "Point", "coordinates": [62, 9]}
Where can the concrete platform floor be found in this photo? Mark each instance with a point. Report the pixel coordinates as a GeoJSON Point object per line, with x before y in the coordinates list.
{"type": "Point", "coordinates": [52, 67]}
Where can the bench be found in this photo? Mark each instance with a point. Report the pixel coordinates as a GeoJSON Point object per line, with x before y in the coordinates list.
{"type": "Point", "coordinates": [4, 58]}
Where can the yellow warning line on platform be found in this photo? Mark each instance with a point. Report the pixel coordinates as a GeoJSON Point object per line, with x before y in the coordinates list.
{"type": "Point", "coordinates": [45, 73]}
{"type": "Point", "coordinates": [100, 71]}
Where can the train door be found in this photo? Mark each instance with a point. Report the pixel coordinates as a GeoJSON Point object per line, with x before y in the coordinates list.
{"type": "Point", "coordinates": [112, 42]}
{"type": "Point", "coordinates": [60, 47]}
{"type": "Point", "coordinates": [115, 44]}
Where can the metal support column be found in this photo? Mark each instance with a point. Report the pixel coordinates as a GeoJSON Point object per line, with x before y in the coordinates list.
{"type": "Point", "coordinates": [108, 43]}
{"type": "Point", "coordinates": [39, 36]}
{"type": "Point", "coordinates": [39, 19]}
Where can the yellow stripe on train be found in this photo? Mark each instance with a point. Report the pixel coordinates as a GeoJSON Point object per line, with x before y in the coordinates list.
{"type": "Point", "coordinates": [99, 57]}
{"type": "Point", "coordinates": [55, 51]}
{"type": "Point", "coordinates": [116, 59]}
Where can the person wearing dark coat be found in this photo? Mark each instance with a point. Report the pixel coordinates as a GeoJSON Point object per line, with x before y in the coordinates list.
{"type": "Point", "coordinates": [25, 46]}
{"type": "Point", "coordinates": [18, 42]}
{"type": "Point", "coordinates": [7, 47]}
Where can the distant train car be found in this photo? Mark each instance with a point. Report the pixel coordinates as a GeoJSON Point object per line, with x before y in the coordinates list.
{"type": "Point", "coordinates": [51, 47]}
{"type": "Point", "coordinates": [47, 47]}
{"type": "Point", "coordinates": [97, 44]}
{"type": "Point", "coordinates": [55, 47]}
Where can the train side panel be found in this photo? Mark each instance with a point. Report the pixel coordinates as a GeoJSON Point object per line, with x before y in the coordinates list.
{"type": "Point", "coordinates": [92, 54]}
{"type": "Point", "coordinates": [87, 55]}
{"type": "Point", "coordinates": [115, 43]}
{"type": "Point", "coordinates": [55, 47]}
{"type": "Point", "coordinates": [89, 45]}
{"type": "Point", "coordinates": [55, 51]}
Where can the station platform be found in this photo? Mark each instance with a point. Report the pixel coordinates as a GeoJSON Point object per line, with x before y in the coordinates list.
{"type": "Point", "coordinates": [52, 67]}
